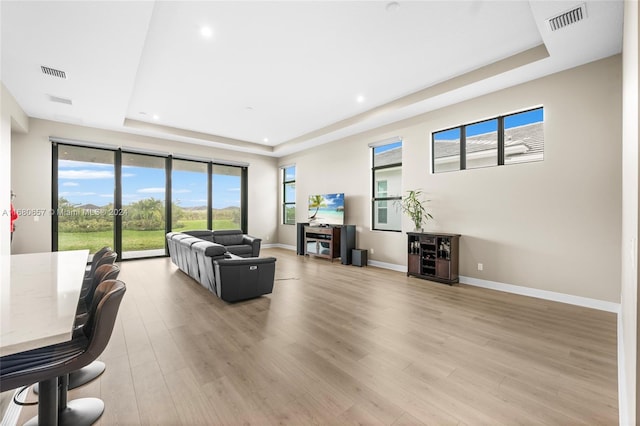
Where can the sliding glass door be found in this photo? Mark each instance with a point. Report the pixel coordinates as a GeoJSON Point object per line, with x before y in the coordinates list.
{"type": "Point", "coordinates": [189, 199]}
{"type": "Point", "coordinates": [226, 187]}
{"type": "Point", "coordinates": [84, 186]}
{"type": "Point", "coordinates": [128, 201]}
{"type": "Point", "coordinates": [143, 206]}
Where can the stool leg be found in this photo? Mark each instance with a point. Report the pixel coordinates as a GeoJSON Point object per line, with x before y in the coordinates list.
{"type": "Point", "coordinates": [47, 404]}
{"type": "Point", "coordinates": [77, 412]}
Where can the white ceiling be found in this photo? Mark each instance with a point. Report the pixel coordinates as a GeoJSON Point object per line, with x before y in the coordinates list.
{"type": "Point", "coordinates": [289, 71]}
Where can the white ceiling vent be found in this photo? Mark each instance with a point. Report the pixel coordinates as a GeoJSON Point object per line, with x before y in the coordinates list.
{"type": "Point", "coordinates": [569, 17]}
{"type": "Point", "coordinates": [60, 100]}
{"type": "Point", "coordinates": [53, 72]}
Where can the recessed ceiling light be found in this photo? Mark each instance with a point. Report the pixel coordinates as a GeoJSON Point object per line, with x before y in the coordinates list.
{"type": "Point", "coordinates": [360, 99]}
{"type": "Point", "coordinates": [206, 32]}
{"type": "Point", "coordinates": [393, 6]}
{"type": "Point", "coordinates": [156, 117]}
{"type": "Point", "coordinates": [266, 140]}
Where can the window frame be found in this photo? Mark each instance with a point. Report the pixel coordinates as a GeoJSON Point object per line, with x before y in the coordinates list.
{"type": "Point", "coordinates": [500, 148]}
{"type": "Point", "coordinates": [375, 199]}
{"type": "Point", "coordinates": [117, 201]}
{"type": "Point", "coordinates": [285, 202]}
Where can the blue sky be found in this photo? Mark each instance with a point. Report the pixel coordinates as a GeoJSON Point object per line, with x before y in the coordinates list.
{"type": "Point", "coordinates": [93, 183]}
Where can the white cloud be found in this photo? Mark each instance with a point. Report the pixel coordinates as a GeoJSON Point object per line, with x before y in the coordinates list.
{"type": "Point", "coordinates": [71, 184]}
{"type": "Point", "coordinates": [105, 195]}
{"type": "Point", "coordinates": [66, 194]}
{"type": "Point", "coordinates": [85, 174]}
{"type": "Point", "coordinates": [151, 190]}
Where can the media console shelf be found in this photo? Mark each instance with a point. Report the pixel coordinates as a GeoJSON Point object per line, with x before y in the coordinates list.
{"type": "Point", "coordinates": [433, 256]}
{"type": "Point", "coordinates": [322, 241]}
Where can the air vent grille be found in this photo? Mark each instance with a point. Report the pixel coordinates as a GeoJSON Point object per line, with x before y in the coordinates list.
{"type": "Point", "coordinates": [53, 72]}
{"type": "Point", "coordinates": [567, 18]}
{"type": "Point", "coordinates": [60, 100]}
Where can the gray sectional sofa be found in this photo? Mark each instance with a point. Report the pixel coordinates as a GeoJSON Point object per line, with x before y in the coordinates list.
{"type": "Point", "coordinates": [229, 276]}
{"type": "Point", "coordinates": [234, 240]}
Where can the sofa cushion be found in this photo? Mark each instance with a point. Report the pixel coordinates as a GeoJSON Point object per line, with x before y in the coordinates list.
{"type": "Point", "coordinates": [202, 234]}
{"type": "Point", "coordinates": [228, 238]}
{"type": "Point", "coordinates": [215, 250]}
{"type": "Point", "coordinates": [242, 250]}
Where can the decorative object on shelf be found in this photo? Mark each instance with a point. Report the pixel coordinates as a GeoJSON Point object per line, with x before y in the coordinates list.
{"type": "Point", "coordinates": [413, 205]}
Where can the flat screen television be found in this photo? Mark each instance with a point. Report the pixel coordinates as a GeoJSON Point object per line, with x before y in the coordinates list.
{"type": "Point", "coordinates": [326, 209]}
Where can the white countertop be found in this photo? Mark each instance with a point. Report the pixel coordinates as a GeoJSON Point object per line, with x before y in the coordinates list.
{"type": "Point", "coordinates": [38, 303]}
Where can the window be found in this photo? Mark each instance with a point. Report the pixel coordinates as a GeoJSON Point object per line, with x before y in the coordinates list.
{"type": "Point", "coordinates": [84, 182]}
{"type": "Point", "coordinates": [508, 139]}
{"type": "Point", "coordinates": [104, 196]}
{"type": "Point", "coordinates": [386, 174]}
{"type": "Point", "coordinates": [189, 195]}
{"type": "Point", "coordinates": [226, 187]}
{"type": "Point", "coordinates": [143, 195]}
{"type": "Point", "coordinates": [289, 195]}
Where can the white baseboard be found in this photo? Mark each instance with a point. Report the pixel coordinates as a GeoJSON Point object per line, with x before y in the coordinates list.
{"type": "Point", "coordinates": [586, 302]}
{"type": "Point", "coordinates": [392, 266]}
{"type": "Point", "coordinates": [544, 294]}
{"type": "Point", "coordinates": [278, 245]}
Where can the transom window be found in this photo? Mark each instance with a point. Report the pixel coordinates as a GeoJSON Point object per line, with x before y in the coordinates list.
{"type": "Point", "coordinates": [508, 139]}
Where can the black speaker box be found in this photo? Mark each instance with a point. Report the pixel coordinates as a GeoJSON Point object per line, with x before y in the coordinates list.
{"type": "Point", "coordinates": [347, 243]}
{"type": "Point", "coordinates": [300, 237]}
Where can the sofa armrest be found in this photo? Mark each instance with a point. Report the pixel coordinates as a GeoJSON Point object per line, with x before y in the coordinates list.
{"type": "Point", "coordinates": [254, 242]}
{"type": "Point", "coordinates": [244, 278]}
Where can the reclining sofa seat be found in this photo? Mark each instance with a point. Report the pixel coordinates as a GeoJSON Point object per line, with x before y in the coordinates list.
{"type": "Point", "coordinates": [229, 276]}
{"type": "Point", "coordinates": [234, 240]}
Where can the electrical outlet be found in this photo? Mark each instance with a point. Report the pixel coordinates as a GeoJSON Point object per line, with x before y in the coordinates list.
{"type": "Point", "coordinates": [267, 238]}
{"type": "Point", "coordinates": [372, 251]}
{"type": "Point", "coordinates": [480, 267]}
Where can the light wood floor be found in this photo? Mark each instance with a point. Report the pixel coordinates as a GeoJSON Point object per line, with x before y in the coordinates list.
{"type": "Point", "coordinates": [339, 344]}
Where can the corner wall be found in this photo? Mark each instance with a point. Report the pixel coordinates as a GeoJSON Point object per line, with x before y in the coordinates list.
{"type": "Point", "coordinates": [552, 225]}
{"type": "Point", "coordinates": [31, 175]}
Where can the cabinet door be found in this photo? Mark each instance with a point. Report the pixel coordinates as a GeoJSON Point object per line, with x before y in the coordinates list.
{"type": "Point", "coordinates": [414, 264]}
{"type": "Point", "coordinates": [443, 269]}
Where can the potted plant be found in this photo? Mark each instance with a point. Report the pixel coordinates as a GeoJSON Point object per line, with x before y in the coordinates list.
{"type": "Point", "coordinates": [413, 205]}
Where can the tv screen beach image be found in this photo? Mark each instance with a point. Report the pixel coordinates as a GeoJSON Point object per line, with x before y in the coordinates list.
{"type": "Point", "coordinates": [327, 209]}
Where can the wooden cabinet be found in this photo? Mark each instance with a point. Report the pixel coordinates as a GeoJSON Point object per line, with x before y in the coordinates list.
{"type": "Point", "coordinates": [322, 241]}
{"type": "Point", "coordinates": [433, 256]}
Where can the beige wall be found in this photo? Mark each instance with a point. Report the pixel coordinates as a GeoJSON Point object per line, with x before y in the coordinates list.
{"type": "Point", "coordinates": [552, 225]}
{"type": "Point", "coordinates": [31, 175]}
{"type": "Point", "coordinates": [628, 338]}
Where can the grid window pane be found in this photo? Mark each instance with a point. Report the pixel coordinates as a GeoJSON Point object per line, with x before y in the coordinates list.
{"type": "Point", "coordinates": [524, 137]}
{"type": "Point", "coordinates": [446, 150]}
{"type": "Point", "coordinates": [226, 184]}
{"type": "Point", "coordinates": [86, 181]}
{"type": "Point", "coordinates": [385, 217]}
{"type": "Point", "coordinates": [482, 144]}
{"type": "Point", "coordinates": [387, 154]}
{"type": "Point", "coordinates": [189, 195]}
{"type": "Point", "coordinates": [143, 195]}
{"type": "Point", "coordinates": [388, 182]}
